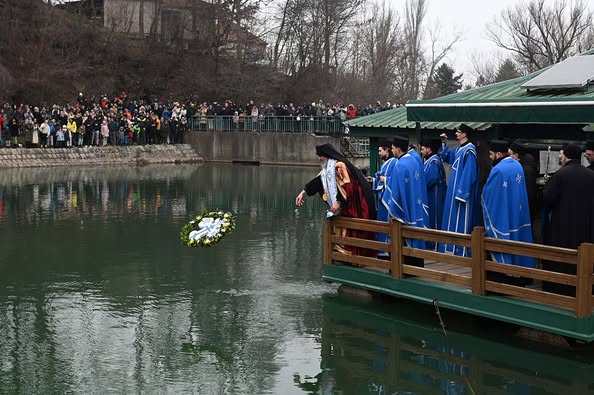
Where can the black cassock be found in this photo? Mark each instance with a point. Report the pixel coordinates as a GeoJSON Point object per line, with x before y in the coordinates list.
{"type": "Point", "coordinates": [568, 201]}
{"type": "Point", "coordinates": [530, 174]}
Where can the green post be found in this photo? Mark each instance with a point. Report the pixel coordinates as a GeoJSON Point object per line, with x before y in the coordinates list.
{"type": "Point", "coordinates": [374, 164]}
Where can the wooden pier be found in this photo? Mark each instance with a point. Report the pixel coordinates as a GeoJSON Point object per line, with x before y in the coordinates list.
{"type": "Point", "coordinates": [462, 283]}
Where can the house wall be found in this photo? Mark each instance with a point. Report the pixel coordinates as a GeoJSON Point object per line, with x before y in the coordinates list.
{"type": "Point", "coordinates": [124, 15]}
{"type": "Point", "coordinates": [173, 17]}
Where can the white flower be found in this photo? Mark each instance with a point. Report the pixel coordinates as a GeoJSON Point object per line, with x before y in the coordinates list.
{"type": "Point", "coordinates": [206, 222]}
{"type": "Point", "coordinates": [209, 227]}
{"type": "Point", "coordinates": [193, 235]}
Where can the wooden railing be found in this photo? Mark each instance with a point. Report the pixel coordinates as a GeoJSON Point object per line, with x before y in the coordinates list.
{"type": "Point", "coordinates": [480, 264]}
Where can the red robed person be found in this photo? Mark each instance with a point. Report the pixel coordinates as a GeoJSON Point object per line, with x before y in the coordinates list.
{"type": "Point", "coordinates": [345, 190]}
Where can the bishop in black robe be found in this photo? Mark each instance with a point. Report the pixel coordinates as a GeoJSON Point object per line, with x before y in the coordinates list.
{"type": "Point", "coordinates": [568, 201]}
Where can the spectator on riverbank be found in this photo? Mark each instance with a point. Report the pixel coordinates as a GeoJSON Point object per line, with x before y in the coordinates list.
{"type": "Point", "coordinates": [44, 131]}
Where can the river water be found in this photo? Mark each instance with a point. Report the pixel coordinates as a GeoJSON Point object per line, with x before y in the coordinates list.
{"type": "Point", "coordinates": [98, 296]}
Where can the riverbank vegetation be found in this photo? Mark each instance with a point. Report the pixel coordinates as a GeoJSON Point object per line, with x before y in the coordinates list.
{"type": "Point", "coordinates": [287, 50]}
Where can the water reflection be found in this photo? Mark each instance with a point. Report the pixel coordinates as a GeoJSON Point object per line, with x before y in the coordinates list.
{"type": "Point", "coordinates": [98, 295]}
{"type": "Point", "coordinates": [393, 348]}
{"type": "Point", "coordinates": [33, 196]}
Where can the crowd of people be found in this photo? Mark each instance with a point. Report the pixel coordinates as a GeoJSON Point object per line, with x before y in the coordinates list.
{"type": "Point", "coordinates": [252, 111]}
{"type": "Point", "coordinates": [123, 121]}
{"type": "Point", "coordinates": [92, 121]}
{"type": "Point", "coordinates": [411, 188]}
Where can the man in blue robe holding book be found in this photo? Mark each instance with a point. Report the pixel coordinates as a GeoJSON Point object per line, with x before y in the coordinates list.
{"type": "Point", "coordinates": [462, 208]}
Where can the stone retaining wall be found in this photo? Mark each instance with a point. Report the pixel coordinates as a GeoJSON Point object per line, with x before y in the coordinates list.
{"type": "Point", "coordinates": [121, 155]}
{"type": "Point", "coordinates": [265, 148]}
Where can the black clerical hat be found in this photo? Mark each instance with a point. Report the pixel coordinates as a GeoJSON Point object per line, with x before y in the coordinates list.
{"type": "Point", "coordinates": [385, 144]}
{"type": "Point", "coordinates": [434, 144]}
{"type": "Point", "coordinates": [401, 142]}
{"type": "Point", "coordinates": [464, 128]}
{"type": "Point", "coordinates": [517, 148]}
{"type": "Point", "coordinates": [572, 151]}
{"type": "Point", "coordinates": [498, 146]}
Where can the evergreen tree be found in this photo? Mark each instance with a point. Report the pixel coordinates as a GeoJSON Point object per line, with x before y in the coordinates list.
{"type": "Point", "coordinates": [443, 82]}
{"type": "Point", "coordinates": [506, 71]}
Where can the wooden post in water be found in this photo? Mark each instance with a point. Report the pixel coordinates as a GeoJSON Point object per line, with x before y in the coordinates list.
{"type": "Point", "coordinates": [583, 289]}
{"type": "Point", "coordinates": [396, 257]}
{"type": "Point", "coordinates": [478, 260]}
{"type": "Point", "coordinates": [327, 233]}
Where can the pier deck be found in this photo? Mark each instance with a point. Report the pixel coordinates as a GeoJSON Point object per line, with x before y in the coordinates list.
{"type": "Point", "coordinates": [465, 283]}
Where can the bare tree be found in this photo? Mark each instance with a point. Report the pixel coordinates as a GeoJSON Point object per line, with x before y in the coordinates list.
{"type": "Point", "coordinates": [416, 64]}
{"type": "Point", "coordinates": [411, 62]}
{"type": "Point", "coordinates": [539, 35]}
{"type": "Point", "coordinates": [381, 43]}
{"type": "Point", "coordinates": [437, 52]}
{"type": "Point", "coordinates": [484, 69]}
{"type": "Point", "coordinates": [309, 38]}
{"type": "Point", "coordinates": [489, 70]}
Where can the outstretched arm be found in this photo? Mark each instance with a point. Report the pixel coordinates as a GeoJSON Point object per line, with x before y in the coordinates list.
{"type": "Point", "coordinates": [311, 188]}
{"type": "Point", "coordinates": [299, 200]}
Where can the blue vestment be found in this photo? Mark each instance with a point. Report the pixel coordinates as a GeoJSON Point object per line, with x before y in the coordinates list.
{"type": "Point", "coordinates": [436, 190]}
{"type": "Point", "coordinates": [506, 210]}
{"type": "Point", "coordinates": [403, 197]}
{"type": "Point", "coordinates": [461, 207]}
{"type": "Point", "coordinates": [417, 157]}
{"type": "Point", "coordinates": [379, 187]}
{"type": "Point", "coordinates": [419, 160]}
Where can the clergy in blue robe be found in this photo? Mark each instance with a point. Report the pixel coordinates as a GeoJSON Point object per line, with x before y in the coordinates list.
{"type": "Point", "coordinates": [435, 181]}
{"type": "Point", "coordinates": [413, 152]}
{"type": "Point", "coordinates": [384, 152]}
{"type": "Point", "coordinates": [504, 200]}
{"type": "Point", "coordinates": [404, 190]}
{"type": "Point", "coordinates": [462, 207]}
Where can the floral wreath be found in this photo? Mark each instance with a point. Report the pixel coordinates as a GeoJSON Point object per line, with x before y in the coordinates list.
{"type": "Point", "coordinates": [207, 229]}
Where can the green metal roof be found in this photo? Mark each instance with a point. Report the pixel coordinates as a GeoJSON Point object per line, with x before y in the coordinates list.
{"type": "Point", "coordinates": [507, 102]}
{"type": "Point", "coordinates": [396, 118]}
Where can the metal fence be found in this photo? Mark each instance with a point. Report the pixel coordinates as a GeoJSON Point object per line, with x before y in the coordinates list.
{"type": "Point", "coordinates": [351, 146]}
{"type": "Point", "coordinates": [320, 125]}
{"type": "Point", "coordinates": [355, 147]}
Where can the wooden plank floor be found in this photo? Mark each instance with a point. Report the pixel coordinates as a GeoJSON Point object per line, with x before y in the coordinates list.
{"type": "Point", "coordinates": [448, 267]}
{"type": "Point", "coordinates": [464, 271]}
{"type": "Point", "coordinates": [454, 269]}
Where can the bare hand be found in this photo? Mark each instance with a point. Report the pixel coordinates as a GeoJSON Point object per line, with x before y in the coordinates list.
{"type": "Point", "coordinates": [382, 178]}
{"type": "Point", "coordinates": [300, 198]}
{"type": "Point", "coordinates": [335, 207]}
